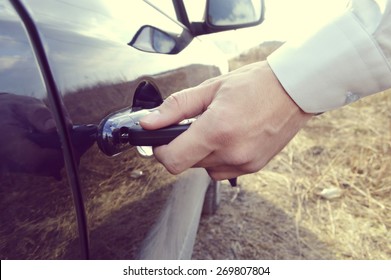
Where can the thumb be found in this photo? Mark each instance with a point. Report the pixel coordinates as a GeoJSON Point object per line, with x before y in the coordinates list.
{"type": "Point", "coordinates": [179, 106]}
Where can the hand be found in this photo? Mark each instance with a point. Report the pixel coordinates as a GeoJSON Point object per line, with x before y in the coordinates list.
{"type": "Point", "coordinates": [244, 119]}
{"type": "Point", "coordinates": [20, 116]}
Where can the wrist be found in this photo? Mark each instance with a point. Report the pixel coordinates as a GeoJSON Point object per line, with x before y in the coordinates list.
{"type": "Point", "coordinates": [288, 103]}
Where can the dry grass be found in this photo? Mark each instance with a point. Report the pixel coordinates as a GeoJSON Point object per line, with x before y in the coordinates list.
{"type": "Point", "coordinates": [278, 212]}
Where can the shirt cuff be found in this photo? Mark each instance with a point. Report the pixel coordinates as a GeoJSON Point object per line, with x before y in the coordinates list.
{"type": "Point", "coordinates": [334, 66]}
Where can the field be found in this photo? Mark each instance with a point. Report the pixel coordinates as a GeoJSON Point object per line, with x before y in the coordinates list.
{"type": "Point", "coordinates": [327, 195]}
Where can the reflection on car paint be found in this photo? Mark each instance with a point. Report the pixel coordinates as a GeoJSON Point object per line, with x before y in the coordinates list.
{"type": "Point", "coordinates": [96, 73]}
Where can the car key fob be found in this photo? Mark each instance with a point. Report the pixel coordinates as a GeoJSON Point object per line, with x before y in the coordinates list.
{"type": "Point", "coordinates": [122, 130]}
{"type": "Point", "coordinates": [141, 137]}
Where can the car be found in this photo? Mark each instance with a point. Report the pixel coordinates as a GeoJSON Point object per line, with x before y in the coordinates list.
{"type": "Point", "coordinates": [71, 185]}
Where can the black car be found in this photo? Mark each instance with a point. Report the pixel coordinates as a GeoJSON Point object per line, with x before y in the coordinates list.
{"type": "Point", "coordinates": [74, 78]}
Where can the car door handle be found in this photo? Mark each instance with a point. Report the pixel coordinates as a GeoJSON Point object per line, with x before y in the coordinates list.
{"type": "Point", "coordinates": [122, 130]}
{"type": "Point", "coordinates": [137, 136]}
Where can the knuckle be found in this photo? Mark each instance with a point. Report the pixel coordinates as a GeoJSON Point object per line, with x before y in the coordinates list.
{"type": "Point", "coordinates": [160, 156]}
{"type": "Point", "coordinates": [240, 158]}
{"type": "Point", "coordinates": [223, 134]}
{"type": "Point", "coordinates": [176, 102]}
{"type": "Point", "coordinates": [252, 166]}
{"type": "Point", "coordinates": [215, 175]}
{"type": "Point", "coordinates": [249, 169]}
{"type": "Point", "coordinates": [172, 168]}
{"type": "Point", "coordinates": [173, 100]}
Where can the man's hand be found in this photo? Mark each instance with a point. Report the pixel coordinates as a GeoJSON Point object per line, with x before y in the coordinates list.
{"type": "Point", "coordinates": [244, 119]}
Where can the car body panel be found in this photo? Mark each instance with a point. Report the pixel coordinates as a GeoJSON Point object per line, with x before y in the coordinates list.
{"type": "Point", "coordinates": [130, 202]}
{"type": "Point", "coordinates": [38, 217]}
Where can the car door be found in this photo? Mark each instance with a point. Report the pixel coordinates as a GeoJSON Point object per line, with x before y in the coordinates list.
{"type": "Point", "coordinates": [134, 208]}
{"type": "Point", "coordinates": [37, 214]}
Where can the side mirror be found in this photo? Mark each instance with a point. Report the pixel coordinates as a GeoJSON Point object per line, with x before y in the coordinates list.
{"type": "Point", "coordinates": [233, 13]}
{"type": "Point", "coordinates": [152, 39]}
{"type": "Point", "coordinates": [223, 15]}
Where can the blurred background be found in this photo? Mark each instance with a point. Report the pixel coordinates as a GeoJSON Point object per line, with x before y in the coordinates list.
{"type": "Point", "coordinates": [283, 19]}
{"type": "Point", "coordinates": [327, 195]}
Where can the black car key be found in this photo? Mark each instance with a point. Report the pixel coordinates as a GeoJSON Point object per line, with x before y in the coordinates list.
{"type": "Point", "coordinates": [141, 137]}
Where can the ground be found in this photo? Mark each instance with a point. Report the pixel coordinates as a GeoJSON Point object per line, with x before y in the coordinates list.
{"type": "Point", "coordinates": [327, 195]}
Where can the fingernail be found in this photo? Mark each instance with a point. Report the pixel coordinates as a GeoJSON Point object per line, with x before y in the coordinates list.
{"type": "Point", "coordinates": [151, 117]}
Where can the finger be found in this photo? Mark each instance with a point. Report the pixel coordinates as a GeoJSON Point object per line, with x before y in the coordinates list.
{"type": "Point", "coordinates": [187, 149]}
{"type": "Point", "coordinates": [179, 106]}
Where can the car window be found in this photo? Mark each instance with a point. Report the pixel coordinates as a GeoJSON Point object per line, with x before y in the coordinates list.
{"type": "Point", "coordinates": [195, 9]}
{"type": "Point", "coordinates": [164, 5]}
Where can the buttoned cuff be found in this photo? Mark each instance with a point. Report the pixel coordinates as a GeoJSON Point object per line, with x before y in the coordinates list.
{"type": "Point", "coordinates": [336, 65]}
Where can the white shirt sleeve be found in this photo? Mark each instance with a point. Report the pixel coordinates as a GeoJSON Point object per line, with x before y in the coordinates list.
{"type": "Point", "coordinates": [340, 62]}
